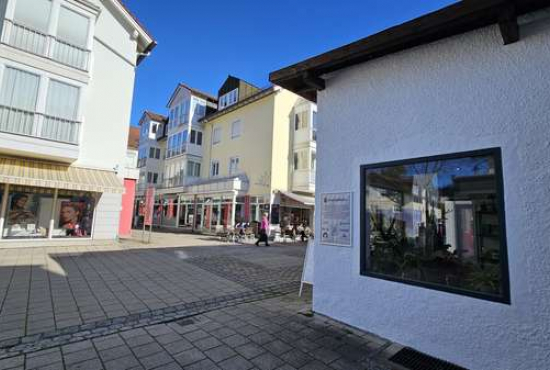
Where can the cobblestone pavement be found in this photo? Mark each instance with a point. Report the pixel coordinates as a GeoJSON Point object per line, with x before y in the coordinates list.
{"type": "Point", "coordinates": [213, 306]}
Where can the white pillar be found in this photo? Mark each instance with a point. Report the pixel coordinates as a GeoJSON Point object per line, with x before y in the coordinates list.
{"type": "Point", "coordinates": [233, 207]}
{"type": "Point", "coordinates": [3, 210]}
{"type": "Point", "coordinates": [178, 211]}
{"type": "Point", "coordinates": [52, 215]}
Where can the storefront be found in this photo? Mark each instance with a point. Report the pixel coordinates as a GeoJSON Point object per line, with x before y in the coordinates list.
{"type": "Point", "coordinates": [296, 209]}
{"type": "Point", "coordinates": [41, 200]}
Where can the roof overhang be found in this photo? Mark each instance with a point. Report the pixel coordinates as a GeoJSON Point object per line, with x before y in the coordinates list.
{"type": "Point", "coordinates": [146, 42]}
{"type": "Point", "coordinates": [306, 78]}
{"type": "Point", "coordinates": [251, 99]}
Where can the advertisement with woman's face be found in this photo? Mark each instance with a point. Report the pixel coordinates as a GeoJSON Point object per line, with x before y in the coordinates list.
{"type": "Point", "coordinates": [76, 216]}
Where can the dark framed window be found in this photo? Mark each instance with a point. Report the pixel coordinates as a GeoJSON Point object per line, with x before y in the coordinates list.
{"type": "Point", "coordinates": [199, 138]}
{"type": "Point", "coordinates": [437, 222]}
{"type": "Point", "coordinates": [193, 134]}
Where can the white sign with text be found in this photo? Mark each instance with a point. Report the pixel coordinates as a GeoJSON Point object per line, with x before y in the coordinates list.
{"type": "Point", "coordinates": [336, 226]}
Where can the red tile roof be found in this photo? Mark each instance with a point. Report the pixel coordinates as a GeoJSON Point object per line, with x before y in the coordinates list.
{"type": "Point", "coordinates": [133, 138]}
{"type": "Point", "coordinates": [156, 117]}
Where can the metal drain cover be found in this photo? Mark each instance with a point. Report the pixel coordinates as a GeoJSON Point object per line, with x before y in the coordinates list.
{"type": "Point", "coordinates": [415, 360]}
{"type": "Point", "coordinates": [185, 322]}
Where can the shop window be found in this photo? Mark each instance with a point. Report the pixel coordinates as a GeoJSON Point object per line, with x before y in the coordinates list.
{"type": "Point", "coordinates": [437, 222]}
{"type": "Point", "coordinates": [73, 214]}
{"type": "Point", "coordinates": [28, 213]}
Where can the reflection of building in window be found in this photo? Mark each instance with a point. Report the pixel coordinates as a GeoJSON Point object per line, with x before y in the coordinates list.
{"type": "Point", "coordinates": [437, 222]}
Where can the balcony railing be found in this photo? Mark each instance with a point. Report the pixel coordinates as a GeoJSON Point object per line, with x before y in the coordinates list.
{"type": "Point", "coordinates": [22, 122]}
{"type": "Point", "coordinates": [71, 55]}
{"type": "Point", "coordinates": [28, 39]}
{"type": "Point", "coordinates": [36, 42]}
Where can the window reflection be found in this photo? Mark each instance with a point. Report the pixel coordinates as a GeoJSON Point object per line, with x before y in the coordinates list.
{"type": "Point", "coordinates": [437, 222]}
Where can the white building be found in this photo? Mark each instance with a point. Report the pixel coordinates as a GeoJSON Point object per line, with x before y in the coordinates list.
{"type": "Point", "coordinates": [151, 150]}
{"type": "Point", "coordinates": [441, 134]}
{"type": "Point", "coordinates": [184, 146]}
{"type": "Point", "coordinates": [67, 71]}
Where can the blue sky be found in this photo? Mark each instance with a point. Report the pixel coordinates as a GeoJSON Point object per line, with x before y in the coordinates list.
{"type": "Point", "coordinates": [201, 42]}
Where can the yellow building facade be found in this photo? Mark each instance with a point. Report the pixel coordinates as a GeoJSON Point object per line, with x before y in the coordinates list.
{"type": "Point", "coordinates": [258, 156]}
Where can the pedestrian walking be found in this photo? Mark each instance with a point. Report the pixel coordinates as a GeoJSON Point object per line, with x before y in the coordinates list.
{"type": "Point", "coordinates": [264, 231]}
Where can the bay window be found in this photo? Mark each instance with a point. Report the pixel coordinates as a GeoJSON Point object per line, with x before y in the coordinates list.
{"type": "Point", "coordinates": [72, 39]}
{"type": "Point", "coordinates": [30, 27]}
{"type": "Point", "coordinates": [60, 120]}
{"type": "Point", "coordinates": [437, 222]}
{"type": "Point", "coordinates": [18, 97]}
{"type": "Point", "coordinates": [193, 169]}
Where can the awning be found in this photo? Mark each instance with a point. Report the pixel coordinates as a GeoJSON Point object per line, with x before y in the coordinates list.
{"type": "Point", "coordinates": [298, 198]}
{"type": "Point", "coordinates": [28, 172]}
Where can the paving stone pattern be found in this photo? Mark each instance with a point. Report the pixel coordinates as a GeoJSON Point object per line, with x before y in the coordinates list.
{"type": "Point", "coordinates": [225, 307]}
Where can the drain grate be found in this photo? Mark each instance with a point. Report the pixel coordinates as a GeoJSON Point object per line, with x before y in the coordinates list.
{"type": "Point", "coordinates": [185, 322]}
{"type": "Point", "coordinates": [415, 360]}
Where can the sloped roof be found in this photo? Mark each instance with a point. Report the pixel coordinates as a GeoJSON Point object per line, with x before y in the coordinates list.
{"type": "Point", "coordinates": [196, 92]}
{"type": "Point", "coordinates": [133, 137]}
{"type": "Point", "coordinates": [156, 117]}
{"type": "Point", "coordinates": [305, 78]}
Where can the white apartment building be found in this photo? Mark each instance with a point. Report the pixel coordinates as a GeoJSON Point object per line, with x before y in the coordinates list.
{"type": "Point", "coordinates": [184, 146]}
{"type": "Point", "coordinates": [67, 70]}
{"type": "Point", "coordinates": [151, 149]}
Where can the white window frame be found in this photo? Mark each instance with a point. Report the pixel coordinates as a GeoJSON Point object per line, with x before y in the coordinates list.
{"type": "Point", "coordinates": [216, 138]}
{"type": "Point", "coordinates": [234, 163]}
{"type": "Point", "coordinates": [215, 165]}
{"type": "Point", "coordinates": [228, 99]}
{"type": "Point", "coordinates": [236, 129]}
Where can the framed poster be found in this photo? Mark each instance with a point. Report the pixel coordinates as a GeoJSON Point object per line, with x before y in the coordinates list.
{"type": "Point", "coordinates": [336, 219]}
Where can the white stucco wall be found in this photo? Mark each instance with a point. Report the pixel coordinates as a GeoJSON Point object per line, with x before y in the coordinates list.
{"type": "Point", "coordinates": [464, 93]}
{"type": "Point", "coordinates": [107, 216]}
{"type": "Point", "coordinates": [108, 100]}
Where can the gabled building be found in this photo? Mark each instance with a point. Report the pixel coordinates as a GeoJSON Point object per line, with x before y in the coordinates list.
{"type": "Point", "coordinates": [254, 152]}
{"type": "Point", "coordinates": [184, 148]}
{"type": "Point", "coordinates": [60, 174]}
{"type": "Point", "coordinates": [152, 128]}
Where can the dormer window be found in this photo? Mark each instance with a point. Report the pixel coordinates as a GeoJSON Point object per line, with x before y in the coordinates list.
{"type": "Point", "coordinates": [228, 99]}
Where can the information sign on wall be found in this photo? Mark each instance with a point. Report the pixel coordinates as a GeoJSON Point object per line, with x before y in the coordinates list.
{"type": "Point", "coordinates": [336, 219]}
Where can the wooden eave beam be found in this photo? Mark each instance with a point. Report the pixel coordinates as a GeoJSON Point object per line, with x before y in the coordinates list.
{"type": "Point", "coordinates": [314, 81]}
{"type": "Point", "coordinates": [508, 24]}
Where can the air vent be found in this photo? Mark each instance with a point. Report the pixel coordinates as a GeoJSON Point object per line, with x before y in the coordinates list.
{"type": "Point", "coordinates": [414, 360]}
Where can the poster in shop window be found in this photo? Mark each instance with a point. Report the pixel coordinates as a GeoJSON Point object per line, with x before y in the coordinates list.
{"type": "Point", "coordinates": [336, 219]}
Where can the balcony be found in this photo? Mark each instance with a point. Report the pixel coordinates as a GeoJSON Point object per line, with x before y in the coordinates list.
{"type": "Point", "coordinates": [21, 122]}
{"type": "Point", "coordinates": [38, 43]}
{"type": "Point", "coordinates": [142, 162]}
{"type": "Point", "coordinates": [304, 137]}
{"type": "Point", "coordinates": [303, 180]}
{"type": "Point", "coordinates": [58, 137]}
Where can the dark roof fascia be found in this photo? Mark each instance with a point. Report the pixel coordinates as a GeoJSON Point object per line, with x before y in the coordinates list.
{"type": "Point", "coordinates": [155, 116]}
{"type": "Point", "coordinates": [193, 91]}
{"type": "Point", "coordinates": [251, 99]}
{"type": "Point", "coordinates": [304, 78]}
